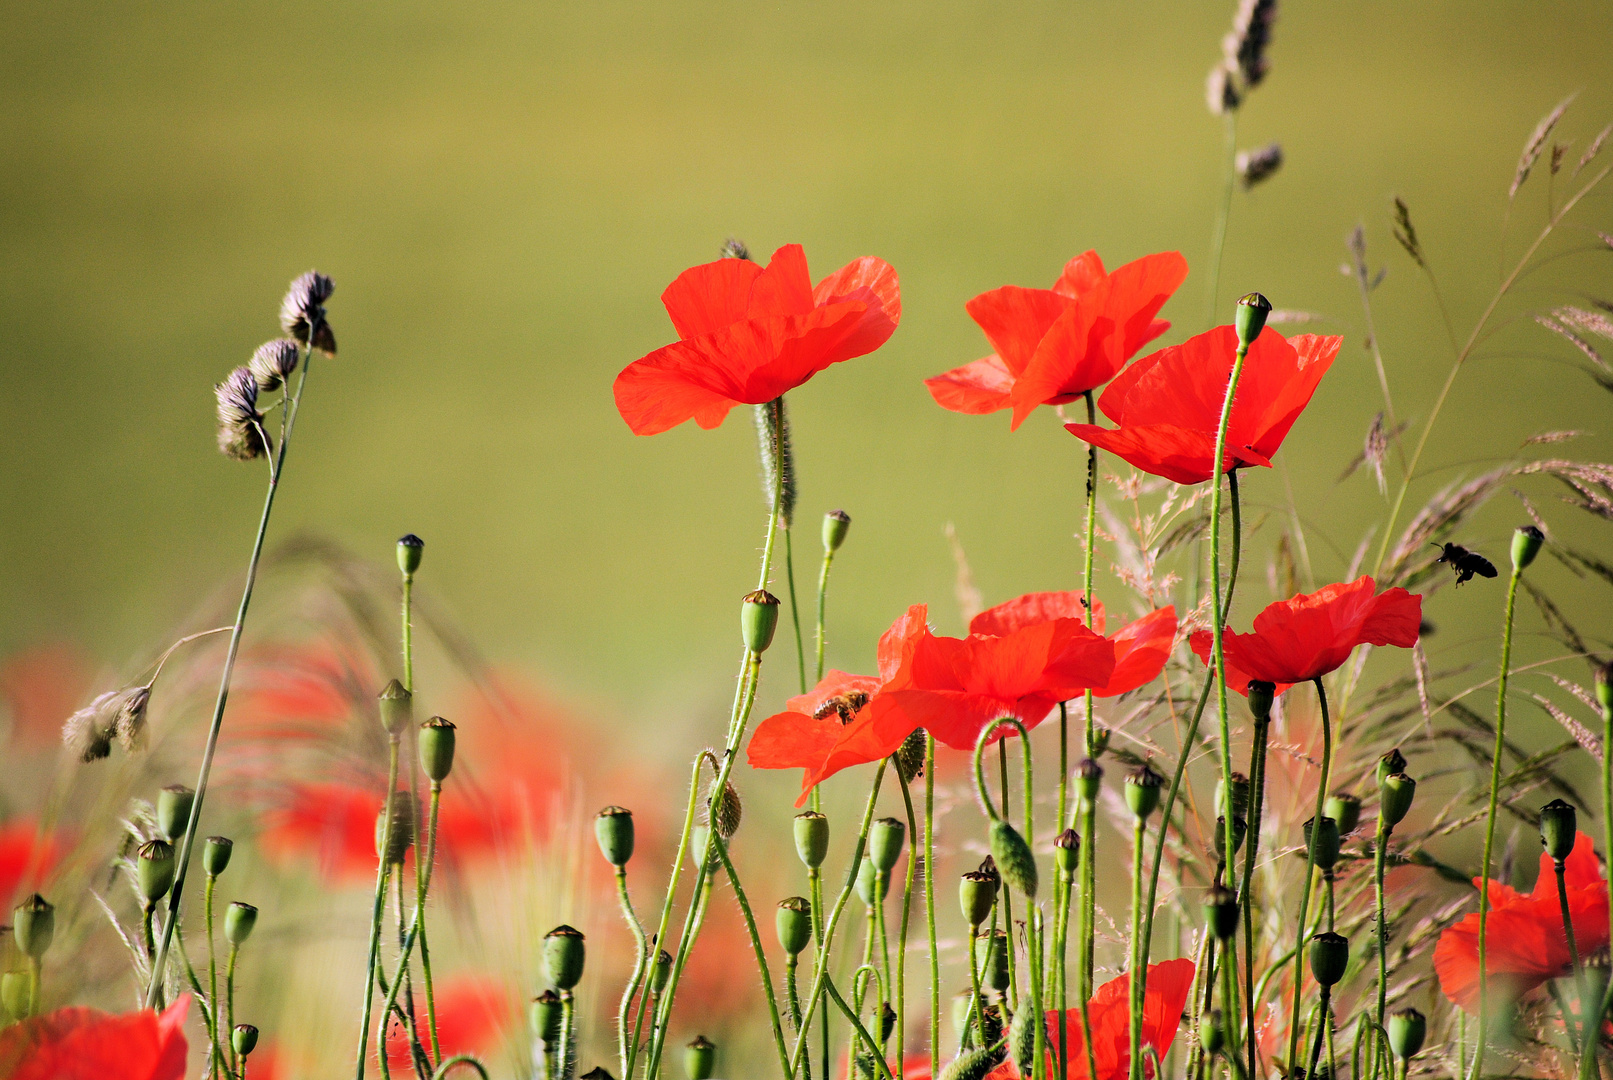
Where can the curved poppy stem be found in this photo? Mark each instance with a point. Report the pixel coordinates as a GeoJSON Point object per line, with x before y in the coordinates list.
{"type": "Point", "coordinates": [980, 770]}
{"type": "Point", "coordinates": [1310, 868]}
{"type": "Point", "coordinates": [756, 944]}
{"type": "Point", "coordinates": [1380, 857]}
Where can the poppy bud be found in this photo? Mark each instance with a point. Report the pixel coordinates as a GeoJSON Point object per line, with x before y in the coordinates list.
{"type": "Point", "coordinates": [794, 924]}
{"type": "Point", "coordinates": [1240, 795]}
{"type": "Point", "coordinates": [1211, 1035]}
{"type": "Point", "coordinates": [727, 811]}
{"type": "Point", "coordinates": [1067, 853]}
{"type": "Point", "coordinates": [836, 523]}
{"type": "Point", "coordinates": [34, 925]}
{"type": "Point", "coordinates": [700, 1058]}
{"type": "Point", "coordinates": [887, 1022]}
{"type": "Point", "coordinates": [1221, 911]}
{"type": "Point", "coordinates": [1261, 696]}
{"type": "Point", "coordinates": [216, 851]}
{"type": "Point", "coordinates": [437, 748]}
{"type": "Point", "coordinates": [661, 972]}
{"type": "Point", "coordinates": [397, 708]}
{"type": "Point", "coordinates": [410, 550]}
{"type": "Point", "coordinates": [1323, 842]}
{"type": "Point", "coordinates": [970, 1065]}
{"type": "Point", "coordinates": [1088, 779]}
{"type": "Point", "coordinates": [868, 880]}
{"type": "Point", "coordinates": [1013, 856]}
{"type": "Point", "coordinates": [909, 757]}
{"type": "Point", "coordinates": [1407, 1029]}
{"type": "Point", "coordinates": [16, 993]}
{"type": "Point", "coordinates": [1330, 955]}
{"type": "Point", "coordinates": [401, 836]}
{"type": "Point", "coordinates": [1099, 743]}
{"type": "Point", "coordinates": [885, 843]}
{"type": "Point", "coordinates": [613, 828]}
{"type": "Point", "coordinates": [545, 1016]}
{"type": "Point", "coordinates": [1557, 829]}
{"type": "Point", "coordinates": [1345, 809]}
{"type": "Point", "coordinates": [1022, 1039]}
{"type": "Point", "coordinates": [154, 869]}
{"type": "Point", "coordinates": [991, 954]}
{"type": "Point", "coordinates": [563, 955]}
{"type": "Point", "coordinates": [173, 811]}
{"type": "Point", "coordinates": [1526, 542]}
{"type": "Point", "coordinates": [1392, 762]}
{"type": "Point", "coordinates": [812, 838]}
{"type": "Point", "coordinates": [758, 618]}
{"type": "Point", "coordinates": [1604, 687]}
{"type": "Point", "coordinates": [699, 840]}
{"type": "Point", "coordinates": [244, 1039]}
{"type": "Point", "coordinates": [1250, 317]}
{"type": "Point", "coordinates": [1142, 791]}
{"type": "Point", "coordinates": [977, 892]}
{"type": "Point", "coordinates": [1239, 829]}
{"type": "Point", "coordinates": [1395, 802]}
{"type": "Point", "coordinates": [239, 919]}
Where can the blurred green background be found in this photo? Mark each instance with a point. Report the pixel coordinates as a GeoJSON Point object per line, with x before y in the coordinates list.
{"type": "Point", "coordinates": [502, 190]}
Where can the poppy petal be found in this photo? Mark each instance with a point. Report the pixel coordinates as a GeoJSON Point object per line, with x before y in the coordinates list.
{"type": "Point", "coordinates": [1141, 650]}
{"type": "Point", "coordinates": [1038, 607]}
{"type": "Point", "coordinates": [706, 298]}
{"type": "Point", "coordinates": [976, 388]}
{"type": "Point", "coordinates": [1014, 319]}
{"type": "Point", "coordinates": [1137, 291]}
{"type": "Point", "coordinates": [873, 283]}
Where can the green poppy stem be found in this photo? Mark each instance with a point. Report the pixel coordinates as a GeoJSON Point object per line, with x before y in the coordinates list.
{"type": "Point", "coordinates": [929, 907]}
{"type": "Point", "coordinates": [1310, 868]}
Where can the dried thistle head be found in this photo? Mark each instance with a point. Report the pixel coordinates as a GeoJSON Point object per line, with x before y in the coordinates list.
{"type": "Point", "coordinates": [303, 310]}
{"type": "Point", "coordinates": [130, 722]}
{"type": "Point", "coordinates": [1256, 165]}
{"type": "Point", "coordinates": [273, 362]}
{"type": "Point", "coordinates": [240, 431]}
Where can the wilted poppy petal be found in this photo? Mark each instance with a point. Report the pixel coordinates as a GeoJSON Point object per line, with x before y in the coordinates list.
{"type": "Point", "coordinates": [975, 388]}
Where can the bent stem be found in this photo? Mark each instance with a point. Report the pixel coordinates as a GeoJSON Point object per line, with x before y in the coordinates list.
{"type": "Point", "coordinates": [640, 959]}
{"type": "Point", "coordinates": [1310, 868]}
{"type": "Point", "coordinates": [376, 914]}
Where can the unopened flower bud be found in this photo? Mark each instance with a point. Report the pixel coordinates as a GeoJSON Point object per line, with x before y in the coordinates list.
{"type": "Point", "coordinates": [411, 549]}
{"type": "Point", "coordinates": [1526, 541]}
{"type": "Point", "coordinates": [1345, 809]}
{"type": "Point", "coordinates": [812, 838]}
{"type": "Point", "coordinates": [239, 920]}
{"type": "Point", "coordinates": [1022, 1040]}
{"type": "Point", "coordinates": [1142, 791]}
{"type": "Point", "coordinates": [1221, 911]}
{"type": "Point", "coordinates": [727, 811]}
{"type": "Point", "coordinates": [885, 839]}
{"type": "Point", "coordinates": [794, 924]}
{"type": "Point", "coordinates": [437, 748]}
{"type": "Point", "coordinates": [1250, 317]}
{"type": "Point", "coordinates": [173, 811]}
{"type": "Point", "coordinates": [1323, 842]}
{"type": "Point", "coordinates": [1240, 828]}
{"type": "Point", "coordinates": [1330, 955]}
{"type": "Point", "coordinates": [836, 523]}
{"type": "Point", "coordinates": [1088, 779]}
{"type": "Point", "coordinates": [991, 954]}
{"type": "Point", "coordinates": [1013, 856]}
{"type": "Point", "coordinates": [970, 1065]}
{"type": "Point", "coordinates": [1392, 762]}
{"type": "Point", "coordinates": [397, 708]}
{"type": "Point", "coordinates": [909, 757]}
{"type": "Point", "coordinates": [563, 956]}
{"type": "Point", "coordinates": [1211, 1035]}
{"type": "Point", "coordinates": [154, 869]}
{"type": "Point", "coordinates": [872, 887]}
{"type": "Point", "coordinates": [1261, 696]}
{"type": "Point", "coordinates": [887, 1022]}
{"type": "Point", "coordinates": [34, 925]}
{"type": "Point", "coordinates": [546, 1015]}
{"type": "Point", "coordinates": [700, 842]}
{"type": "Point", "coordinates": [758, 618]}
{"type": "Point", "coordinates": [1240, 795]}
{"type": "Point", "coordinates": [244, 1038]}
{"type": "Point", "coordinates": [394, 843]}
{"type": "Point", "coordinates": [16, 993]}
{"type": "Point", "coordinates": [1407, 1030]}
{"type": "Point", "coordinates": [977, 892]}
{"type": "Point", "coordinates": [1395, 802]}
{"type": "Point", "coordinates": [613, 828]}
{"type": "Point", "coordinates": [1067, 853]}
{"type": "Point", "coordinates": [661, 973]}
{"type": "Point", "coordinates": [700, 1058]}
{"type": "Point", "coordinates": [1558, 828]}
{"type": "Point", "coordinates": [216, 852]}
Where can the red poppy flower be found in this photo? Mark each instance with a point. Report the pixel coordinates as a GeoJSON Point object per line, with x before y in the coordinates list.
{"type": "Point", "coordinates": [1141, 647]}
{"type": "Point", "coordinates": [748, 335]}
{"type": "Point", "coordinates": [87, 1044]}
{"type": "Point", "coordinates": [473, 1012]}
{"type": "Point", "coordinates": [1304, 638]}
{"type": "Point", "coordinates": [41, 687]}
{"type": "Point", "coordinates": [27, 857]}
{"type": "Point", "coordinates": [1526, 943]}
{"type": "Point", "coordinates": [1053, 345]}
{"type": "Point", "coordinates": [1168, 404]}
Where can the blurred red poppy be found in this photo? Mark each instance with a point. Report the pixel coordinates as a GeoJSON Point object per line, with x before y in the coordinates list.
{"type": "Point", "coordinates": [748, 335]}
{"type": "Point", "coordinates": [473, 1012]}
{"type": "Point", "coordinates": [1053, 345]}
{"type": "Point", "coordinates": [87, 1044]}
{"type": "Point", "coordinates": [27, 856]}
{"type": "Point", "coordinates": [1298, 640]}
{"type": "Point", "coordinates": [41, 687]}
{"type": "Point", "coordinates": [1526, 943]}
{"type": "Point", "coordinates": [1168, 404]}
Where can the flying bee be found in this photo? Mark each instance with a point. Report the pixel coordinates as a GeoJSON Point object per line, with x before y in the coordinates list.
{"type": "Point", "coordinates": [844, 705]}
{"type": "Point", "coordinates": [1466, 563]}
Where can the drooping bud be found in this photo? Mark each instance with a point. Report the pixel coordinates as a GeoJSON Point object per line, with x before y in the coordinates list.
{"type": "Point", "coordinates": [1407, 1030]}
{"type": "Point", "coordinates": [1395, 802]}
{"type": "Point", "coordinates": [1526, 541]}
{"type": "Point", "coordinates": [885, 840]}
{"type": "Point", "coordinates": [812, 838]}
{"type": "Point", "coordinates": [239, 920]}
{"type": "Point", "coordinates": [563, 956]}
{"type": "Point", "coordinates": [1345, 809]}
{"type": "Point", "coordinates": [700, 1058]}
{"type": "Point", "coordinates": [887, 1022]}
{"type": "Point", "coordinates": [794, 924]}
{"type": "Point", "coordinates": [1392, 762]}
{"type": "Point", "coordinates": [546, 1015]}
{"type": "Point", "coordinates": [411, 549]}
{"type": "Point", "coordinates": [991, 954]}
{"type": "Point", "coordinates": [244, 1038]}
{"type": "Point", "coordinates": [613, 828]}
{"type": "Point", "coordinates": [1088, 779]}
{"type": "Point", "coordinates": [909, 757]}
{"type": "Point", "coordinates": [872, 887]}
{"type": "Point", "coordinates": [173, 811]}
{"type": "Point", "coordinates": [437, 748]}
{"type": "Point", "coordinates": [1022, 1040]}
{"type": "Point", "coordinates": [661, 972]}
{"type": "Point", "coordinates": [1240, 795]}
{"type": "Point", "coordinates": [727, 811]}
{"type": "Point", "coordinates": [1221, 911]}
{"type": "Point", "coordinates": [1558, 828]}
{"type": "Point", "coordinates": [1142, 791]}
{"type": "Point", "coordinates": [836, 523]}
{"type": "Point", "coordinates": [758, 618]}
{"type": "Point", "coordinates": [1240, 828]}
{"type": "Point", "coordinates": [34, 925]}
{"type": "Point", "coordinates": [1330, 955]}
{"type": "Point", "coordinates": [154, 869]}
{"type": "Point", "coordinates": [1261, 697]}
{"type": "Point", "coordinates": [1250, 317]}
{"type": "Point", "coordinates": [1067, 853]}
{"type": "Point", "coordinates": [1013, 856]}
{"type": "Point", "coordinates": [216, 852]}
{"type": "Point", "coordinates": [970, 1065]}
{"type": "Point", "coordinates": [1323, 842]}
{"type": "Point", "coordinates": [977, 892]}
{"type": "Point", "coordinates": [16, 993]}
{"type": "Point", "coordinates": [397, 708]}
{"type": "Point", "coordinates": [400, 838]}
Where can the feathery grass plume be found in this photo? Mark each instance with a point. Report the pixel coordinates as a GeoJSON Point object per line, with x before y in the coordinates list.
{"type": "Point", "coordinates": [240, 424]}
{"type": "Point", "coordinates": [88, 733]}
{"type": "Point", "coordinates": [1586, 321]}
{"type": "Point", "coordinates": [1406, 234]}
{"type": "Point", "coordinates": [1376, 449]}
{"type": "Point", "coordinates": [130, 723]}
{"type": "Point", "coordinates": [273, 362]}
{"type": "Point", "coordinates": [1574, 339]}
{"type": "Point", "coordinates": [1537, 143]}
{"type": "Point", "coordinates": [1253, 166]}
{"type": "Point", "coordinates": [1551, 437]}
{"type": "Point", "coordinates": [1251, 35]}
{"type": "Point", "coordinates": [1592, 150]}
{"type": "Point", "coordinates": [304, 308]}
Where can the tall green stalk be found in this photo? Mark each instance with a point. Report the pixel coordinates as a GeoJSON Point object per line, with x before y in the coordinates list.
{"type": "Point", "coordinates": [376, 913]}
{"type": "Point", "coordinates": [1380, 856]}
{"type": "Point", "coordinates": [1593, 1019]}
{"type": "Point", "coordinates": [929, 905]}
{"type": "Point", "coordinates": [420, 870]}
{"type": "Point", "coordinates": [1257, 798]}
{"type": "Point", "coordinates": [641, 955]}
{"type": "Point", "coordinates": [1310, 868]}
{"type": "Point", "coordinates": [761, 954]}
{"type": "Point", "coordinates": [212, 978]}
{"type": "Point", "coordinates": [1137, 985]}
{"type": "Point", "coordinates": [1573, 951]}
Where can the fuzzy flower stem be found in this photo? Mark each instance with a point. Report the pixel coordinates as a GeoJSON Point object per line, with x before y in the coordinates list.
{"type": "Point", "coordinates": [568, 1034]}
{"type": "Point", "coordinates": [901, 933]}
{"type": "Point", "coordinates": [795, 608]}
{"type": "Point", "coordinates": [1138, 964]}
{"type": "Point", "coordinates": [823, 597]}
{"type": "Point", "coordinates": [929, 905]}
{"type": "Point", "coordinates": [756, 945]}
{"type": "Point", "coordinates": [1005, 896]}
{"type": "Point", "coordinates": [229, 1003]}
{"type": "Point", "coordinates": [416, 926]}
{"type": "Point", "coordinates": [1257, 798]}
{"type": "Point", "coordinates": [1088, 875]}
{"type": "Point", "coordinates": [456, 1061]}
{"type": "Point", "coordinates": [857, 1024]}
{"type": "Point", "coordinates": [1310, 868]}
{"type": "Point", "coordinates": [1592, 1020]}
{"type": "Point", "coordinates": [376, 913]}
{"type": "Point", "coordinates": [421, 870]}
{"type": "Point", "coordinates": [672, 887]}
{"type": "Point", "coordinates": [212, 978]}
{"type": "Point", "coordinates": [641, 953]}
{"type": "Point", "coordinates": [1573, 946]}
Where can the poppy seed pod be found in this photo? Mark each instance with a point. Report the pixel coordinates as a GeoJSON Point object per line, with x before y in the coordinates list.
{"type": "Point", "coordinates": [1392, 762]}
{"type": "Point", "coordinates": [885, 843]}
{"type": "Point", "coordinates": [173, 811]}
{"type": "Point", "coordinates": [563, 956]}
{"type": "Point", "coordinates": [545, 1016]}
{"type": "Point", "coordinates": [868, 881]}
{"type": "Point", "coordinates": [411, 549]}
{"type": "Point", "coordinates": [1330, 955]}
{"type": "Point", "coordinates": [1067, 853]}
{"type": "Point", "coordinates": [1142, 791]}
{"type": "Point", "coordinates": [700, 1058]}
{"type": "Point", "coordinates": [991, 954]}
{"type": "Point", "coordinates": [1240, 795]}
{"type": "Point", "coordinates": [661, 972]}
{"type": "Point", "coordinates": [1240, 828]}
{"type": "Point", "coordinates": [1558, 827]}
{"type": "Point", "coordinates": [836, 523]}
{"type": "Point", "coordinates": [244, 1038]}
{"type": "Point", "coordinates": [613, 828]}
{"type": "Point", "coordinates": [1345, 809]}
{"type": "Point", "coordinates": [970, 1065]}
{"type": "Point", "coordinates": [34, 925]}
{"type": "Point", "coordinates": [909, 757]}
{"type": "Point", "coordinates": [437, 748]}
{"type": "Point", "coordinates": [154, 869]}
{"type": "Point", "coordinates": [1013, 856]}
{"type": "Point", "coordinates": [1407, 1030]}
{"type": "Point", "coordinates": [1323, 842]}
{"type": "Point", "coordinates": [1526, 541]}
{"type": "Point", "coordinates": [758, 618]}
{"type": "Point", "coordinates": [1211, 1035]}
{"type": "Point", "coordinates": [16, 993]}
{"type": "Point", "coordinates": [1221, 911]}
{"type": "Point", "coordinates": [1261, 697]}
{"type": "Point", "coordinates": [397, 708]}
{"type": "Point", "coordinates": [239, 920]}
{"type": "Point", "coordinates": [1088, 779]}
{"type": "Point", "coordinates": [812, 838]}
{"type": "Point", "coordinates": [1250, 317]}
{"type": "Point", "coordinates": [216, 852]}
{"type": "Point", "coordinates": [977, 892]}
{"type": "Point", "coordinates": [794, 924]}
{"type": "Point", "coordinates": [727, 811]}
{"type": "Point", "coordinates": [401, 836]}
{"type": "Point", "coordinates": [1395, 802]}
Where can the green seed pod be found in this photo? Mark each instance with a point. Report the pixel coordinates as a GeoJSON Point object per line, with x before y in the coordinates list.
{"type": "Point", "coordinates": [1395, 802]}
{"type": "Point", "coordinates": [1211, 1035]}
{"type": "Point", "coordinates": [1526, 543]}
{"type": "Point", "coordinates": [546, 1015]}
{"type": "Point", "coordinates": [401, 837]}
{"type": "Point", "coordinates": [216, 852]}
{"type": "Point", "coordinates": [1250, 317]}
{"type": "Point", "coordinates": [1392, 762]}
{"type": "Point", "coordinates": [727, 811]}
{"type": "Point", "coordinates": [1345, 809]}
{"type": "Point", "coordinates": [33, 925]}
{"type": "Point", "coordinates": [410, 550]}
{"type": "Point", "coordinates": [836, 523]}
{"type": "Point", "coordinates": [239, 919]}
{"type": "Point", "coordinates": [700, 1058]}
{"type": "Point", "coordinates": [1330, 955]}
{"type": "Point", "coordinates": [909, 757]}
{"type": "Point", "coordinates": [16, 993]}
{"type": "Point", "coordinates": [437, 748]}
{"type": "Point", "coordinates": [885, 840]}
{"type": "Point", "coordinates": [868, 881]}
{"type": "Point", "coordinates": [1262, 695]}
{"type": "Point", "coordinates": [758, 618]}
{"type": "Point", "coordinates": [977, 892]}
{"type": "Point", "coordinates": [1323, 841]}
{"type": "Point", "coordinates": [173, 811]}
{"type": "Point", "coordinates": [1558, 828]}
{"type": "Point", "coordinates": [970, 1065]}
{"type": "Point", "coordinates": [1142, 791]}
{"type": "Point", "coordinates": [1013, 856]}
{"type": "Point", "coordinates": [1088, 779]}
{"type": "Point", "coordinates": [397, 708]}
{"type": "Point", "coordinates": [1240, 828]}
{"type": "Point", "coordinates": [1407, 1030]}
{"type": "Point", "coordinates": [812, 838]}
{"type": "Point", "coordinates": [794, 924]}
{"type": "Point", "coordinates": [154, 869]}
{"type": "Point", "coordinates": [613, 828]}
{"type": "Point", "coordinates": [244, 1038]}
{"type": "Point", "coordinates": [1221, 911]}
{"type": "Point", "coordinates": [1067, 853]}
{"type": "Point", "coordinates": [1022, 1039]}
{"type": "Point", "coordinates": [991, 954]}
{"type": "Point", "coordinates": [1604, 687]}
{"type": "Point", "coordinates": [563, 956]}
{"type": "Point", "coordinates": [1240, 796]}
{"type": "Point", "coordinates": [661, 972]}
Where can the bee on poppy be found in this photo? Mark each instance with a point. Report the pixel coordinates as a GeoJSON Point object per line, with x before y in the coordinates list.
{"type": "Point", "coordinates": [1466, 563]}
{"type": "Point", "coordinates": [846, 706]}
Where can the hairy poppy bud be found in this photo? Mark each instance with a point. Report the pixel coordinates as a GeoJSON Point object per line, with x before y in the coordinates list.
{"type": "Point", "coordinates": [244, 1039]}
{"type": "Point", "coordinates": [661, 972]}
{"type": "Point", "coordinates": [1261, 696]}
{"type": "Point", "coordinates": [545, 1016]}
{"type": "Point", "coordinates": [411, 549]}
{"type": "Point", "coordinates": [1240, 795]}
{"type": "Point", "coordinates": [1250, 317]}
{"type": "Point", "coordinates": [1395, 802]}
{"type": "Point", "coordinates": [758, 618]}
{"type": "Point", "coordinates": [1211, 1035]}
{"type": "Point", "coordinates": [700, 1058]}
{"type": "Point", "coordinates": [1330, 955]}
{"type": "Point", "coordinates": [1323, 842]}
{"type": "Point", "coordinates": [727, 811]}
{"type": "Point", "coordinates": [239, 920]}
{"type": "Point", "coordinates": [1088, 779]}
{"type": "Point", "coordinates": [173, 811]}
{"type": "Point", "coordinates": [1067, 853]}
{"type": "Point", "coordinates": [1526, 542]}
{"type": "Point", "coordinates": [1142, 791]}
{"type": "Point", "coordinates": [991, 954]}
{"type": "Point", "coordinates": [1345, 809]}
{"type": "Point", "coordinates": [970, 1065]}
{"type": "Point", "coordinates": [1239, 829]}
{"type": "Point", "coordinates": [1013, 856]}
{"type": "Point", "coordinates": [909, 757]}
{"type": "Point", "coordinates": [885, 843]}
{"type": "Point", "coordinates": [1407, 1029]}
{"type": "Point", "coordinates": [1557, 829]}
{"type": "Point", "coordinates": [872, 887]}
{"type": "Point", "coordinates": [398, 840]}
{"type": "Point", "coordinates": [794, 924]}
{"type": "Point", "coordinates": [16, 993]}
{"type": "Point", "coordinates": [1392, 762]}
{"type": "Point", "coordinates": [34, 925]}
{"type": "Point", "coordinates": [216, 852]}
{"type": "Point", "coordinates": [812, 838]}
{"type": "Point", "coordinates": [887, 1022]}
{"type": "Point", "coordinates": [397, 708]}
{"type": "Point", "coordinates": [563, 956]}
{"type": "Point", "coordinates": [613, 828]}
{"type": "Point", "coordinates": [154, 869]}
{"type": "Point", "coordinates": [1221, 911]}
{"type": "Point", "coordinates": [437, 748]}
{"type": "Point", "coordinates": [836, 523]}
{"type": "Point", "coordinates": [977, 892]}
{"type": "Point", "coordinates": [1022, 1039]}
